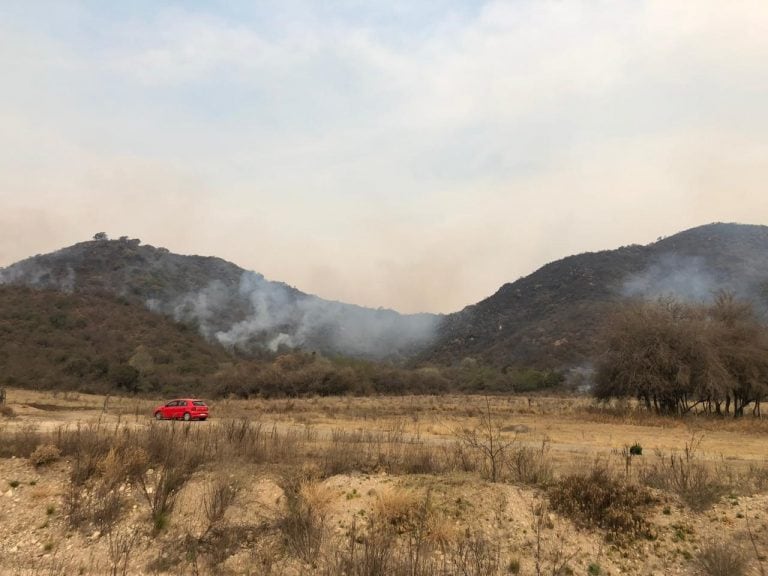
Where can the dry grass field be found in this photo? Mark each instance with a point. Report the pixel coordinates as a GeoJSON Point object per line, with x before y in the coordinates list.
{"type": "Point", "coordinates": [416, 485]}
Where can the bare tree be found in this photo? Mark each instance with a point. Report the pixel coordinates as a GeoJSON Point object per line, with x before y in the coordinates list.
{"type": "Point", "coordinates": [488, 440]}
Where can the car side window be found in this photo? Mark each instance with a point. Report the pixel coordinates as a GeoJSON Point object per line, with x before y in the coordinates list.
{"type": "Point", "coordinates": [172, 403]}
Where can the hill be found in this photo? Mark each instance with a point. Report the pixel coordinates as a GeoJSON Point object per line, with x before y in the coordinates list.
{"type": "Point", "coordinates": [552, 317]}
{"type": "Point", "coordinates": [91, 343]}
{"type": "Point", "coordinates": [104, 344]}
{"type": "Point", "coordinates": [238, 309]}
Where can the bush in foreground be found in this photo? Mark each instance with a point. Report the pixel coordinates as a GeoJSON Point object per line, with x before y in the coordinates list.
{"type": "Point", "coordinates": [600, 499]}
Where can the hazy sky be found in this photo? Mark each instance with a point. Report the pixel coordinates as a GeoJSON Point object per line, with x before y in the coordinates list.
{"type": "Point", "coordinates": [406, 154]}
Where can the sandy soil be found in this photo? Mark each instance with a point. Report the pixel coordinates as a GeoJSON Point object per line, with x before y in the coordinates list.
{"type": "Point", "coordinates": [35, 537]}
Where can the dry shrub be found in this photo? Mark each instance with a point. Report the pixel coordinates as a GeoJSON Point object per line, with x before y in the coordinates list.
{"type": "Point", "coordinates": [162, 486]}
{"type": "Point", "coordinates": [720, 558]}
{"type": "Point", "coordinates": [367, 553]}
{"type": "Point", "coordinates": [550, 554]}
{"type": "Point", "coordinates": [302, 518]}
{"type": "Point", "coordinates": [476, 555]}
{"type": "Point", "coordinates": [462, 458]}
{"type": "Point", "coordinates": [489, 443]}
{"type": "Point", "coordinates": [394, 543]}
{"type": "Point", "coordinates": [92, 507]}
{"type": "Point", "coordinates": [338, 457]}
{"type": "Point", "coordinates": [756, 478]}
{"type": "Point", "coordinates": [420, 458]}
{"type": "Point", "coordinates": [406, 536]}
{"type": "Point", "coordinates": [175, 452]}
{"type": "Point", "coordinates": [224, 540]}
{"type": "Point", "coordinates": [6, 411]}
{"type": "Point", "coordinates": [686, 476]}
{"type": "Point", "coordinates": [421, 530]}
{"type": "Point", "coordinates": [20, 442]}
{"type": "Point", "coordinates": [219, 496]}
{"type": "Point", "coordinates": [531, 466]}
{"type": "Point", "coordinates": [250, 440]}
{"type": "Point", "coordinates": [123, 463]}
{"type": "Point", "coordinates": [44, 454]}
{"type": "Point", "coordinates": [120, 546]}
{"type": "Point", "coordinates": [390, 450]}
{"type": "Point", "coordinates": [86, 445]}
{"type": "Point", "coordinates": [103, 460]}
{"type": "Point", "coordinates": [598, 499]}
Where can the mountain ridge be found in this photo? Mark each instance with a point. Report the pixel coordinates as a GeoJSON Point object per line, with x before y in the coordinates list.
{"type": "Point", "coordinates": [238, 308]}
{"type": "Point", "coordinates": [550, 318]}
{"type": "Point", "coordinates": [553, 316]}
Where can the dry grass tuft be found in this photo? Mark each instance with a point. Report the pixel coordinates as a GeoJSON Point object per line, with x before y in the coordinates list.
{"type": "Point", "coordinates": [397, 507]}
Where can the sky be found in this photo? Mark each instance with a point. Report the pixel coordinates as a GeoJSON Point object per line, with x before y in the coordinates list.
{"type": "Point", "coordinates": [413, 155]}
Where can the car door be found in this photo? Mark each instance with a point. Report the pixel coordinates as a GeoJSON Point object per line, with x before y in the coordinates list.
{"type": "Point", "coordinates": [172, 409]}
{"type": "Point", "coordinates": [181, 407]}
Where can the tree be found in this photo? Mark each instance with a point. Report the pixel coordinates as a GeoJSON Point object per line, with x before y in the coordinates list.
{"type": "Point", "coordinates": [100, 236]}
{"type": "Point", "coordinates": [674, 356]}
{"type": "Point", "coordinates": [743, 351]}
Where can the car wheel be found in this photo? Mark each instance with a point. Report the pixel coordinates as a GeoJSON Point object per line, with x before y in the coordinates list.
{"type": "Point", "coordinates": [187, 417]}
{"type": "Point", "coordinates": [158, 416]}
{"type": "Point", "coordinates": [203, 419]}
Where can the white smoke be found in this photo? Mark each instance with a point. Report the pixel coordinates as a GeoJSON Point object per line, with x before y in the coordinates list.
{"type": "Point", "coordinates": [30, 273]}
{"type": "Point", "coordinates": [686, 278]}
{"type": "Point", "coordinates": [202, 307]}
{"type": "Point", "coordinates": [272, 315]}
{"type": "Point", "coordinates": [252, 312]}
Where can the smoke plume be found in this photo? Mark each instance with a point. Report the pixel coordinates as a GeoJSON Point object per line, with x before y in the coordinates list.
{"type": "Point", "coordinates": [686, 278]}
{"type": "Point", "coordinates": [272, 315]}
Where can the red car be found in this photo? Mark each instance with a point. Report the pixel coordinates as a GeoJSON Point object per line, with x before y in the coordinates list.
{"type": "Point", "coordinates": [182, 409]}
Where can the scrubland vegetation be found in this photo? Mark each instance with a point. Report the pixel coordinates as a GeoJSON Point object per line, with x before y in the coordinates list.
{"type": "Point", "coordinates": [325, 465]}
{"type": "Point", "coordinates": [100, 344]}
{"type": "Point", "coordinates": [410, 485]}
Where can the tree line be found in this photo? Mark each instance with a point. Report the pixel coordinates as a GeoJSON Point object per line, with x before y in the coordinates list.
{"type": "Point", "coordinates": [676, 357]}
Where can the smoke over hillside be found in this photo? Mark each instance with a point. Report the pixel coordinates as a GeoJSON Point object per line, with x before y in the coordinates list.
{"type": "Point", "coordinates": [697, 264]}
{"type": "Point", "coordinates": [686, 278]}
{"type": "Point", "coordinates": [554, 316]}
{"type": "Point", "coordinates": [550, 318]}
{"type": "Point", "coordinates": [238, 309]}
{"type": "Point", "coordinates": [273, 315]}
